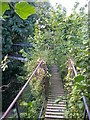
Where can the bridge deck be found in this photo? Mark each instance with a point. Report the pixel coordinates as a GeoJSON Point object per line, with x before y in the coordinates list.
{"type": "Point", "coordinates": [55, 110]}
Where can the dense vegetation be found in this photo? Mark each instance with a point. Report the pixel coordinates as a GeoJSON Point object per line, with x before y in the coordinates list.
{"type": "Point", "coordinates": [15, 30]}
{"type": "Point", "coordinates": [53, 36]}
{"type": "Point", "coordinates": [66, 37]}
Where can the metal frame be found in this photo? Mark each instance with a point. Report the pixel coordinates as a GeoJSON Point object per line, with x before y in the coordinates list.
{"type": "Point", "coordinates": [17, 109]}
{"type": "Point", "coordinates": [19, 94]}
{"type": "Point", "coordinates": [86, 111]}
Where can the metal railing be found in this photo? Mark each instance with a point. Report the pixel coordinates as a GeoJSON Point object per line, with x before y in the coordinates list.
{"type": "Point", "coordinates": [42, 109]}
{"type": "Point", "coordinates": [46, 86]}
{"type": "Point", "coordinates": [86, 111]}
{"type": "Point", "coordinates": [14, 102]}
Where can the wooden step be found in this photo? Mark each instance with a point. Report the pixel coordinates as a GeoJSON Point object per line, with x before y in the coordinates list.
{"type": "Point", "coordinates": [55, 110]}
{"type": "Point", "coordinates": [55, 87]}
{"type": "Point", "coordinates": [51, 102]}
{"type": "Point", "coordinates": [58, 89]}
{"type": "Point", "coordinates": [51, 119]}
{"type": "Point", "coordinates": [53, 99]}
{"type": "Point", "coordinates": [55, 96]}
{"type": "Point", "coordinates": [53, 116]}
{"type": "Point", "coordinates": [60, 105]}
{"type": "Point", "coordinates": [55, 107]}
{"type": "Point", "coordinates": [56, 92]}
{"type": "Point", "coordinates": [54, 113]}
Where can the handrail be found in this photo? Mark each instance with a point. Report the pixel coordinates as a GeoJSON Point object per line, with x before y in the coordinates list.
{"type": "Point", "coordinates": [42, 109]}
{"type": "Point", "coordinates": [23, 44]}
{"type": "Point", "coordinates": [84, 98]}
{"type": "Point", "coordinates": [75, 72]}
{"type": "Point", "coordinates": [20, 92]}
{"type": "Point", "coordinates": [86, 105]}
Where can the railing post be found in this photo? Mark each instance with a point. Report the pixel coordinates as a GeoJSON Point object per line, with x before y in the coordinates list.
{"type": "Point", "coordinates": [20, 92]}
{"type": "Point", "coordinates": [46, 84]}
{"type": "Point", "coordinates": [84, 98]}
{"type": "Point", "coordinates": [17, 109]}
{"type": "Point", "coordinates": [46, 87]}
{"type": "Point", "coordinates": [85, 112]}
{"type": "Point", "coordinates": [86, 105]}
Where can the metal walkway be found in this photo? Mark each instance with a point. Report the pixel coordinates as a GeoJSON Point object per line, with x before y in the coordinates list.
{"type": "Point", "coordinates": [55, 110]}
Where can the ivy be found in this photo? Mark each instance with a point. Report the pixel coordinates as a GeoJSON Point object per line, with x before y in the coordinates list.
{"type": "Point", "coordinates": [79, 78]}
{"type": "Point", "coordinates": [14, 30]}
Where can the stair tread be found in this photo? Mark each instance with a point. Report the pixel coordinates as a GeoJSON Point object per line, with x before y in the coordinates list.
{"type": "Point", "coordinates": [51, 119]}
{"type": "Point", "coordinates": [56, 107]}
{"type": "Point", "coordinates": [53, 116]}
{"type": "Point", "coordinates": [51, 102]}
{"type": "Point", "coordinates": [55, 96]}
{"type": "Point", "coordinates": [55, 110]}
{"type": "Point", "coordinates": [55, 99]}
{"type": "Point", "coordinates": [54, 113]}
{"type": "Point", "coordinates": [60, 105]}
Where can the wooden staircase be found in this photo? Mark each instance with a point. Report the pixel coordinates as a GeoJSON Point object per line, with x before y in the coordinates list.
{"type": "Point", "coordinates": [55, 110]}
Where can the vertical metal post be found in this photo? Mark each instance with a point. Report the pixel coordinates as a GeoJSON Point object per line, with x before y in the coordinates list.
{"type": "Point", "coordinates": [85, 112]}
{"type": "Point", "coordinates": [18, 114]}
{"type": "Point", "coordinates": [19, 94]}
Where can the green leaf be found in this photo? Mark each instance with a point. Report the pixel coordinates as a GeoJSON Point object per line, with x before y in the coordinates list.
{"type": "Point", "coordinates": [30, 104]}
{"type": "Point", "coordinates": [23, 9]}
{"type": "Point", "coordinates": [4, 6]}
{"type": "Point", "coordinates": [79, 78]}
{"type": "Point", "coordinates": [80, 105]}
{"type": "Point", "coordinates": [23, 103]}
{"type": "Point", "coordinates": [57, 100]}
{"type": "Point", "coordinates": [81, 86]}
{"type": "Point", "coordinates": [60, 98]}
